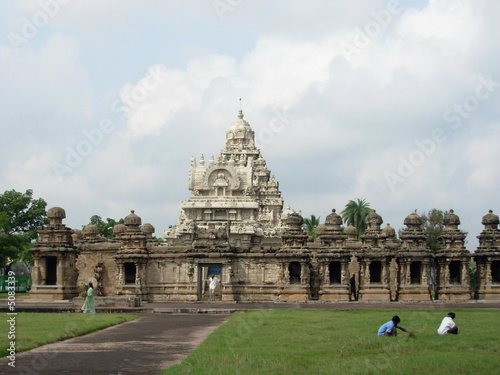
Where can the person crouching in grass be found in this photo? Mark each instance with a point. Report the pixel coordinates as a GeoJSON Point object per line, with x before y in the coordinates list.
{"type": "Point", "coordinates": [448, 325]}
{"type": "Point", "coordinates": [390, 328]}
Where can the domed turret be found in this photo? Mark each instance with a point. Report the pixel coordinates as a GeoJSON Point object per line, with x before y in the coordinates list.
{"type": "Point", "coordinates": [373, 221]}
{"type": "Point", "coordinates": [147, 229]}
{"type": "Point", "coordinates": [56, 215]}
{"type": "Point", "coordinates": [388, 231]}
{"type": "Point", "coordinates": [132, 220]}
{"type": "Point", "coordinates": [90, 231]}
{"type": "Point", "coordinates": [451, 221]}
{"type": "Point", "coordinates": [413, 221]}
{"type": "Point", "coordinates": [240, 135]}
{"type": "Point", "coordinates": [119, 228]}
{"type": "Point", "coordinates": [333, 220]}
{"type": "Point", "coordinates": [490, 221]}
{"type": "Point", "coordinates": [351, 231]}
{"type": "Point", "coordinates": [294, 221]}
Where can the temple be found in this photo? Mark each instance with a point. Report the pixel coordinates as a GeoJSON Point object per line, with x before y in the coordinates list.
{"type": "Point", "coordinates": [233, 226]}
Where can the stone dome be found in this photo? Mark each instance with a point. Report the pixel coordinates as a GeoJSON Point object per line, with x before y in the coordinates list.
{"type": "Point", "coordinates": [451, 221]}
{"type": "Point", "coordinates": [413, 220]}
{"type": "Point", "coordinates": [90, 230]}
{"type": "Point", "coordinates": [388, 231]}
{"type": "Point", "coordinates": [147, 229]}
{"type": "Point", "coordinates": [132, 220]}
{"type": "Point", "coordinates": [119, 228]}
{"type": "Point", "coordinates": [373, 220]}
{"type": "Point", "coordinates": [56, 215]}
{"type": "Point", "coordinates": [333, 220]}
{"type": "Point", "coordinates": [56, 212]}
{"type": "Point", "coordinates": [294, 220]}
{"type": "Point", "coordinates": [351, 230]}
{"type": "Point", "coordinates": [490, 221]}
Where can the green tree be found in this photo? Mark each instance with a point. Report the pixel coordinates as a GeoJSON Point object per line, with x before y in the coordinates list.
{"type": "Point", "coordinates": [310, 225]}
{"type": "Point", "coordinates": [105, 228]}
{"type": "Point", "coordinates": [20, 217]}
{"type": "Point", "coordinates": [355, 213]}
{"type": "Point", "coordinates": [432, 223]}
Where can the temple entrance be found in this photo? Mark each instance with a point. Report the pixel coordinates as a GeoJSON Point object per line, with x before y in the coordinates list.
{"type": "Point", "coordinates": [376, 271]}
{"type": "Point", "coordinates": [51, 271]}
{"type": "Point", "coordinates": [294, 271]}
{"type": "Point", "coordinates": [335, 272]}
{"type": "Point", "coordinates": [455, 274]}
{"type": "Point", "coordinates": [495, 271]}
{"type": "Point", "coordinates": [416, 272]}
{"type": "Point", "coordinates": [130, 271]}
{"type": "Point", "coordinates": [205, 273]}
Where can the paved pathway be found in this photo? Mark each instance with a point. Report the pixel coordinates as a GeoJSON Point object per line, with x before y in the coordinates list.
{"type": "Point", "coordinates": [144, 346]}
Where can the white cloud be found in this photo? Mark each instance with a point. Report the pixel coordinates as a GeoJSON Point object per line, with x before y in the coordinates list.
{"type": "Point", "coordinates": [329, 126]}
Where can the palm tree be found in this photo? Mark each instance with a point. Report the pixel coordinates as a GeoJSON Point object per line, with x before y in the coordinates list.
{"type": "Point", "coordinates": [355, 213]}
{"type": "Point", "coordinates": [310, 225]}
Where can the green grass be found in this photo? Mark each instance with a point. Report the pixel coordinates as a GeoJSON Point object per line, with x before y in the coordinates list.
{"type": "Point", "coordinates": [18, 294]}
{"type": "Point", "coordinates": [346, 342]}
{"type": "Point", "coordinates": [36, 329]}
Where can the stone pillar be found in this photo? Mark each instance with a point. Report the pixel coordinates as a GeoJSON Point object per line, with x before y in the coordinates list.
{"type": "Point", "coordinates": [344, 270]}
{"type": "Point", "coordinates": [59, 272]}
{"type": "Point", "coordinates": [424, 280]}
{"type": "Point", "coordinates": [304, 273]}
{"type": "Point", "coordinates": [367, 272]}
{"type": "Point", "coordinates": [488, 278]}
{"type": "Point", "coordinates": [35, 272]}
{"type": "Point", "coordinates": [408, 272]}
{"type": "Point", "coordinates": [465, 279]}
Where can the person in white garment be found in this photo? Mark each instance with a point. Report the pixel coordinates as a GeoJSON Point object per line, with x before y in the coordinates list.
{"type": "Point", "coordinates": [213, 280]}
{"type": "Point", "coordinates": [448, 325]}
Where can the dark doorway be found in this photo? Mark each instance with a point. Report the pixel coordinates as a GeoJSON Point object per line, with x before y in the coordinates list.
{"type": "Point", "coordinates": [294, 272]}
{"type": "Point", "coordinates": [335, 274]}
{"type": "Point", "coordinates": [51, 271]}
{"type": "Point", "coordinates": [376, 271]}
{"type": "Point", "coordinates": [130, 271]}
{"type": "Point", "coordinates": [416, 272]}
{"type": "Point", "coordinates": [495, 271]}
{"type": "Point", "coordinates": [455, 273]}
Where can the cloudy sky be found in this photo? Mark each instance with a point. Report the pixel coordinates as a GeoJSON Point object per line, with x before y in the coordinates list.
{"type": "Point", "coordinates": [104, 103]}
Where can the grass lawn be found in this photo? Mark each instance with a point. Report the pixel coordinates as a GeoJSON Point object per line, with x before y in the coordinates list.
{"type": "Point", "coordinates": [345, 342]}
{"type": "Point", "coordinates": [18, 294]}
{"type": "Point", "coordinates": [36, 329]}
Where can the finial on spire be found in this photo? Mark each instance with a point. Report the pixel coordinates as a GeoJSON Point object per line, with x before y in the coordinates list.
{"type": "Point", "coordinates": [240, 104]}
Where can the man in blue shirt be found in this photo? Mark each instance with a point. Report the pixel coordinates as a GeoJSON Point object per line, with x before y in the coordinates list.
{"type": "Point", "coordinates": [389, 328]}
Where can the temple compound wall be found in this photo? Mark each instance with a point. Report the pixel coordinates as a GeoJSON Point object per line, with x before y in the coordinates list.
{"type": "Point", "coordinates": [234, 227]}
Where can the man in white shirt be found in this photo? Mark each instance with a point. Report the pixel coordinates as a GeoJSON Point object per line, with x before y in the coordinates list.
{"type": "Point", "coordinates": [213, 280]}
{"type": "Point", "coordinates": [448, 325]}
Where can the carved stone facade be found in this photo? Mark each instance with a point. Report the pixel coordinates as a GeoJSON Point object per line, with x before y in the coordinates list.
{"type": "Point", "coordinates": [234, 226]}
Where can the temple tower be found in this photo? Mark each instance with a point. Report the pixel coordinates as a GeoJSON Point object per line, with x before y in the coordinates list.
{"type": "Point", "coordinates": [235, 202]}
{"type": "Point", "coordinates": [54, 273]}
{"type": "Point", "coordinates": [487, 257]}
{"type": "Point", "coordinates": [453, 262]}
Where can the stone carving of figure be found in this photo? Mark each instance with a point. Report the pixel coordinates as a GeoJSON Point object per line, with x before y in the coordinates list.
{"type": "Point", "coordinates": [98, 274]}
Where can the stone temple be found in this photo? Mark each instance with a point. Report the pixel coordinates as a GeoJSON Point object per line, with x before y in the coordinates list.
{"type": "Point", "coordinates": [233, 225]}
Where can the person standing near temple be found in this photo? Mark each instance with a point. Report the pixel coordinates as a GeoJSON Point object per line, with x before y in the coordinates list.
{"type": "Point", "coordinates": [88, 306]}
{"type": "Point", "coordinates": [212, 286]}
